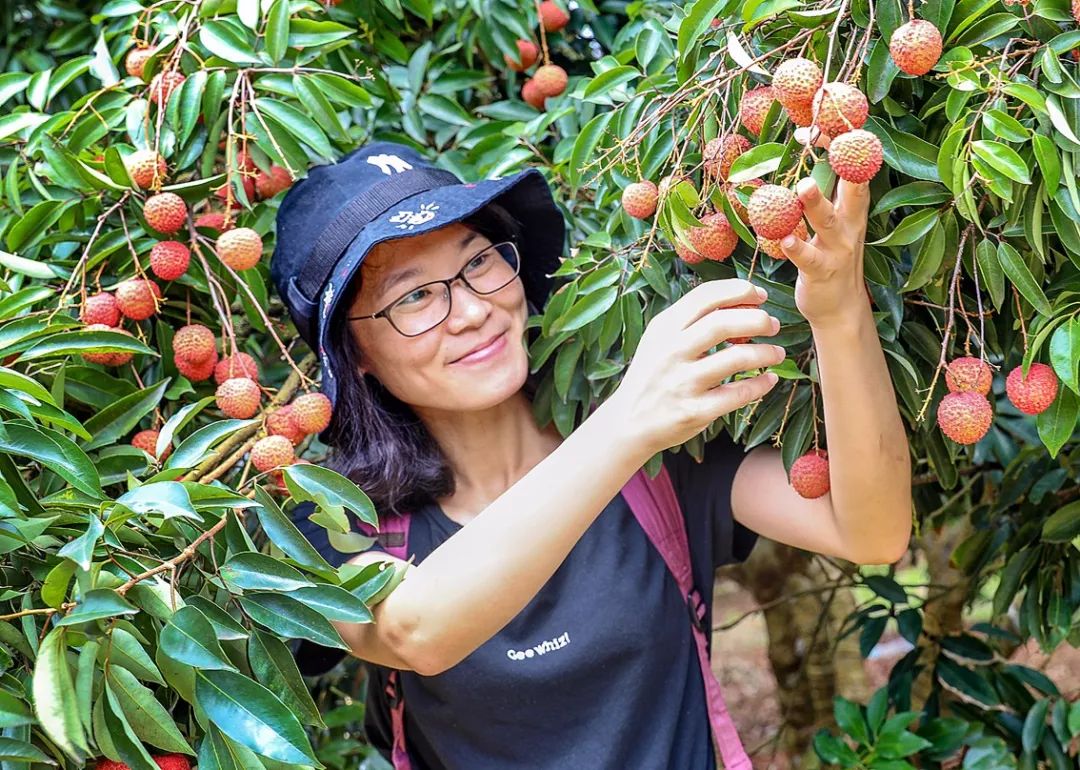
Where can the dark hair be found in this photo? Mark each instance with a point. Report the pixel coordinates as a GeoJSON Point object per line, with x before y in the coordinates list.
{"type": "Point", "coordinates": [376, 440]}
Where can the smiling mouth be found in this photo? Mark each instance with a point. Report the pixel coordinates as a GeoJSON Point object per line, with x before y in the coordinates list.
{"type": "Point", "coordinates": [494, 341]}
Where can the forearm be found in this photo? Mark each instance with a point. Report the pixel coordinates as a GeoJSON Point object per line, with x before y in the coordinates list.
{"type": "Point", "coordinates": [869, 460]}
{"type": "Point", "coordinates": [478, 580]}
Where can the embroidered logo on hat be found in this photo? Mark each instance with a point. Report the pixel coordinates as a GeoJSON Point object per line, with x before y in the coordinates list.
{"type": "Point", "coordinates": [387, 162]}
{"type": "Point", "coordinates": [407, 220]}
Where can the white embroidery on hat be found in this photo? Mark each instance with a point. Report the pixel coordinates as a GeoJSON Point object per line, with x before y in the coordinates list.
{"type": "Point", "coordinates": [407, 220]}
{"type": "Point", "coordinates": [388, 162]}
{"type": "Point", "coordinates": [327, 298]}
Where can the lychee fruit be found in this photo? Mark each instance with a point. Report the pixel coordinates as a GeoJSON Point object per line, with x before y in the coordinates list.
{"type": "Point", "coordinates": [810, 474]}
{"type": "Point", "coordinates": [169, 259]}
{"type": "Point", "coordinates": [550, 80]}
{"type": "Point", "coordinates": [197, 372]}
{"type": "Point", "coordinates": [968, 374]}
{"type": "Point", "coordinates": [687, 254]}
{"type": "Point", "coordinates": [104, 763]}
{"type": "Point", "coordinates": [530, 94]}
{"type": "Point", "coordinates": [856, 155]}
{"type": "Point", "coordinates": [1035, 393]}
{"type": "Point", "coordinates": [137, 298]}
{"type": "Point", "coordinates": [238, 397]}
{"type": "Point", "coordinates": [172, 761]}
{"type": "Point", "coordinates": [754, 106]}
{"type": "Point", "coordinates": [772, 246]}
{"type": "Point", "coordinates": [146, 440]}
{"type": "Point", "coordinates": [194, 343]}
{"type": "Point", "coordinates": [135, 61]}
{"type": "Point", "coordinates": [118, 358]}
{"type": "Point", "coordinates": [731, 191]}
{"type": "Point", "coordinates": [552, 16]}
{"type": "Point", "coordinates": [163, 85]}
{"type": "Point", "coordinates": [721, 152]}
{"type": "Point", "coordinates": [280, 423]}
{"type": "Point", "coordinates": [774, 211]}
{"type": "Point", "coordinates": [1076, 10]}
{"type": "Point", "coordinates": [270, 183]}
{"type": "Point", "coordinates": [240, 249]}
{"type": "Point", "coordinates": [311, 412]}
{"type": "Point", "coordinates": [527, 52]}
{"type": "Point", "coordinates": [100, 308]}
{"type": "Point", "coordinates": [639, 199]}
{"type": "Point", "coordinates": [145, 167]}
{"type": "Point", "coordinates": [964, 417]}
{"type": "Point", "coordinates": [800, 114]}
{"type": "Point", "coordinates": [272, 452]}
{"type": "Point", "coordinates": [226, 190]}
{"type": "Point", "coordinates": [213, 220]}
{"type": "Point", "coordinates": [796, 81]}
{"type": "Point", "coordinates": [840, 107]}
{"type": "Point", "coordinates": [236, 365]}
{"type": "Point", "coordinates": [165, 212]}
{"type": "Point", "coordinates": [716, 240]}
{"type": "Point", "coordinates": [915, 46]}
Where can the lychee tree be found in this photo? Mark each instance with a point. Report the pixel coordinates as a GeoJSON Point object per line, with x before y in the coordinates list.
{"type": "Point", "coordinates": [159, 412]}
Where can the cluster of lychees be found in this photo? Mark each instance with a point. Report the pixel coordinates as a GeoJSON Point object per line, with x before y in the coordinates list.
{"type": "Point", "coordinates": [965, 413]}
{"type": "Point", "coordinates": [549, 80]}
{"type": "Point", "coordinates": [286, 427]}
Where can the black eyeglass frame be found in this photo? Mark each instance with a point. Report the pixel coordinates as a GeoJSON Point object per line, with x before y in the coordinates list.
{"type": "Point", "coordinates": [448, 283]}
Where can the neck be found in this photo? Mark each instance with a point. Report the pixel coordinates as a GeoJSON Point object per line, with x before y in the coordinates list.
{"type": "Point", "coordinates": [488, 451]}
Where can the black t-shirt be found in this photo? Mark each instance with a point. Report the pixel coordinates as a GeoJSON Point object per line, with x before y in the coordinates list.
{"type": "Point", "coordinates": [599, 670]}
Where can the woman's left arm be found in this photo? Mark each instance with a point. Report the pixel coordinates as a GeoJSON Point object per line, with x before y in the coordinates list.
{"type": "Point", "coordinates": [866, 516]}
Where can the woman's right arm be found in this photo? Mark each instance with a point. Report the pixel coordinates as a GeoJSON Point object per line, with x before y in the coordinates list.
{"type": "Point", "coordinates": [472, 585]}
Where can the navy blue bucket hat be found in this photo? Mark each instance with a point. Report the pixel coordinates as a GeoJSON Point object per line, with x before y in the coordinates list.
{"type": "Point", "coordinates": [329, 222]}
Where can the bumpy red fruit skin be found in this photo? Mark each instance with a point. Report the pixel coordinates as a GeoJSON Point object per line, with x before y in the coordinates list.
{"type": "Point", "coordinates": [272, 452]}
{"type": "Point", "coordinates": [194, 343]}
{"type": "Point", "coordinates": [169, 259]}
{"type": "Point", "coordinates": [716, 240]}
{"type": "Point", "coordinates": [135, 61]}
{"type": "Point", "coordinates": [754, 106]}
{"type": "Point", "coordinates": [100, 308]}
{"type": "Point", "coordinates": [916, 47]}
{"type": "Point", "coordinates": [240, 249]}
{"type": "Point", "coordinates": [107, 764]}
{"type": "Point", "coordinates": [840, 107]}
{"type": "Point", "coordinates": [268, 184]}
{"type": "Point", "coordinates": [213, 220]}
{"type": "Point", "coordinates": [528, 53]}
{"type": "Point", "coordinates": [855, 156]}
{"type": "Point", "coordinates": [772, 247]}
{"type": "Point", "coordinates": [197, 372]}
{"type": "Point", "coordinates": [687, 254]}
{"type": "Point", "coordinates": [1076, 10]}
{"type": "Point", "coordinates": [137, 298]}
{"type": "Point", "coordinates": [163, 85]}
{"type": "Point", "coordinates": [311, 412]}
{"type": "Point", "coordinates": [796, 81]}
{"type": "Point", "coordinates": [550, 80]}
{"type": "Point", "coordinates": [552, 16]}
{"type": "Point", "coordinates": [800, 114]}
{"type": "Point", "coordinates": [721, 152]}
{"type": "Point", "coordinates": [731, 191]}
{"type": "Point", "coordinates": [530, 94]}
{"type": "Point", "coordinates": [146, 440]}
{"type": "Point", "coordinates": [107, 359]}
{"type": "Point", "coordinates": [145, 167]}
{"type": "Point", "coordinates": [810, 474]}
{"type": "Point", "coordinates": [774, 211]}
{"type": "Point", "coordinates": [1035, 393]}
{"type": "Point", "coordinates": [964, 417]}
{"type": "Point", "coordinates": [224, 192]}
{"type": "Point", "coordinates": [280, 423]}
{"type": "Point", "coordinates": [172, 761]}
{"type": "Point", "coordinates": [165, 212]}
{"type": "Point", "coordinates": [968, 374]}
{"type": "Point", "coordinates": [236, 365]}
{"type": "Point", "coordinates": [639, 199]}
{"type": "Point", "coordinates": [238, 398]}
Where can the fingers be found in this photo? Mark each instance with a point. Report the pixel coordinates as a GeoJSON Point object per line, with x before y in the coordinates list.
{"type": "Point", "coordinates": [708, 296]}
{"type": "Point", "coordinates": [853, 199]}
{"type": "Point", "coordinates": [712, 370]}
{"type": "Point", "coordinates": [803, 254]}
{"type": "Point", "coordinates": [726, 323]}
{"type": "Point", "coordinates": [803, 134]}
{"type": "Point", "coordinates": [818, 209]}
{"type": "Point", "coordinates": [730, 396]}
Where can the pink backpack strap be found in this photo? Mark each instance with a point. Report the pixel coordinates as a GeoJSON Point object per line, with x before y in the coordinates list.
{"type": "Point", "coordinates": [656, 508]}
{"type": "Point", "coordinates": [394, 534]}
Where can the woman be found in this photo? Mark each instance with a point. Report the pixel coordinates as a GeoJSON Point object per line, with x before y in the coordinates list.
{"type": "Point", "coordinates": [520, 539]}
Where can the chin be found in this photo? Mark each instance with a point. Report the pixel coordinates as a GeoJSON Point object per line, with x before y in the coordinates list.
{"type": "Point", "coordinates": [486, 387]}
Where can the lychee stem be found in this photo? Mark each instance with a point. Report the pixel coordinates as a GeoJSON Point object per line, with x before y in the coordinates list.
{"type": "Point", "coordinates": [543, 32]}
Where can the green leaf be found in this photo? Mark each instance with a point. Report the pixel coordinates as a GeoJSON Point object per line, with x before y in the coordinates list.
{"type": "Point", "coordinates": [328, 490]}
{"type": "Point", "coordinates": [252, 716]}
{"type": "Point", "coordinates": [125, 650]}
{"type": "Point", "coordinates": [333, 603]}
{"type": "Point", "coordinates": [257, 571]}
{"type": "Point", "coordinates": [585, 145]}
{"type": "Point", "coordinates": [609, 80]}
{"type": "Point", "coordinates": [277, 30]}
{"type": "Point", "coordinates": [1063, 525]}
{"type": "Point", "coordinates": [189, 638]}
{"type": "Point", "coordinates": [12, 750]}
{"type": "Point", "coordinates": [320, 108]}
{"type": "Point", "coordinates": [969, 682]}
{"type": "Point", "coordinates": [81, 549]}
{"type": "Point", "coordinates": [95, 605]}
{"type": "Point", "coordinates": [77, 342]}
{"type": "Point", "coordinates": [1046, 154]}
{"type": "Point", "coordinates": [912, 228]}
{"type": "Point", "coordinates": [850, 719]}
{"type": "Point", "coordinates": [274, 665]}
{"type": "Point", "coordinates": [928, 260]}
{"type": "Point", "coordinates": [226, 627]}
{"type": "Point", "coordinates": [886, 588]}
{"type": "Point", "coordinates": [1056, 424]}
{"type": "Point", "coordinates": [218, 752]}
{"type": "Point", "coordinates": [911, 194]}
{"type": "Point", "coordinates": [223, 39]}
{"type": "Point", "coordinates": [587, 309]}
{"type": "Point", "coordinates": [169, 498]}
{"type": "Point", "coordinates": [299, 125]}
{"type": "Point", "coordinates": [116, 421]}
{"type": "Point", "coordinates": [125, 744]}
{"type": "Point", "coordinates": [289, 618]}
{"type": "Point", "coordinates": [756, 162]}
{"type": "Point", "coordinates": [148, 718]}
{"type": "Point", "coordinates": [195, 448]}
{"type": "Point", "coordinates": [1065, 353]}
{"type": "Point", "coordinates": [1018, 272]}
{"type": "Point", "coordinates": [1003, 158]}
{"type": "Point", "coordinates": [284, 534]}
{"type": "Point", "coordinates": [55, 704]}
{"type": "Point", "coordinates": [58, 453]}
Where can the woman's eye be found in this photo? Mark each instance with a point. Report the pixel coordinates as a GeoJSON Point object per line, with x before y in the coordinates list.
{"type": "Point", "coordinates": [417, 296]}
{"type": "Point", "coordinates": [479, 260]}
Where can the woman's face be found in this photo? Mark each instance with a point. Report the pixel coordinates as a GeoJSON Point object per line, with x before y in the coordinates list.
{"type": "Point", "coordinates": [430, 370]}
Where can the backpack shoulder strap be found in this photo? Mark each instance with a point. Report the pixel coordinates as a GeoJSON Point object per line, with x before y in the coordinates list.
{"type": "Point", "coordinates": [394, 534]}
{"type": "Point", "coordinates": [656, 507]}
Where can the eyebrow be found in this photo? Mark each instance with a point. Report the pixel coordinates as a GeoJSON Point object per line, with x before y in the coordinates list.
{"type": "Point", "coordinates": [395, 277]}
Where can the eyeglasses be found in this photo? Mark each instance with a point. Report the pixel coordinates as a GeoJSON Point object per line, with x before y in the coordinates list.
{"type": "Point", "coordinates": [428, 305]}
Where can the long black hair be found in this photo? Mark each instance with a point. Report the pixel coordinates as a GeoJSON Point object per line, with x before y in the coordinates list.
{"type": "Point", "coordinates": [376, 440]}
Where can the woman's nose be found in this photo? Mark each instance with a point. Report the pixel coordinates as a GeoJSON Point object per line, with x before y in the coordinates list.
{"type": "Point", "coordinates": [467, 308]}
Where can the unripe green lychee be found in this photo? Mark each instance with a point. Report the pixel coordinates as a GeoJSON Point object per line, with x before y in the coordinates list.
{"type": "Point", "coordinates": [856, 155]}
{"type": "Point", "coordinates": [964, 417]}
{"type": "Point", "coordinates": [137, 298]}
{"type": "Point", "coordinates": [165, 212]}
{"type": "Point", "coordinates": [1035, 393]}
{"type": "Point", "coordinates": [810, 474]}
{"type": "Point", "coordinates": [774, 211]}
{"type": "Point", "coordinates": [639, 199]}
{"type": "Point", "coordinates": [916, 46]}
{"type": "Point", "coordinates": [968, 374]}
{"type": "Point", "coordinates": [238, 397]}
{"type": "Point", "coordinates": [840, 107]}
{"type": "Point", "coordinates": [169, 259]}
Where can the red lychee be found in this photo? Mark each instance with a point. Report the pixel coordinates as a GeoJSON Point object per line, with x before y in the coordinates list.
{"type": "Point", "coordinates": [238, 397]}
{"type": "Point", "coordinates": [754, 106]}
{"type": "Point", "coordinates": [213, 220]}
{"type": "Point", "coordinates": [800, 114]}
{"type": "Point", "coordinates": [968, 374]}
{"type": "Point", "coordinates": [964, 417]}
{"type": "Point", "coordinates": [552, 16]}
{"type": "Point", "coordinates": [240, 249]}
{"type": "Point", "coordinates": [146, 168]}
{"type": "Point", "coordinates": [1035, 393]}
{"type": "Point", "coordinates": [197, 372]}
{"type": "Point", "coordinates": [311, 412]}
{"type": "Point", "coordinates": [915, 46]}
{"type": "Point", "coordinates": [639, 199]}
{"type": "Point", "coordinates": [222, 193]}
{"type": "Point", "coordinates": [810, 474]}
{"type": "Point", "coordinates": [104, 763]}
{"type": "Point", "coordinates": [772, 246]}
{"type": "Point", "coordinates": [530, 94]}
{"type": "Point", "coordinates": [169, 259]}
{"type": "Point", "coordinates": [108, 359]}
{"type": "Point", "coordinates": [165, 212]}
{"type": "Point", "coordinates": [721, 152]}
{"type": "Point", "coordinates": [100, 308]}
{"type": "Point", "coordinates": [146, 440]}
{"type": "Point", "coordinates": [731, 191]}
{"type": "Point", "coordinates": [796, 81]}
{"type": "Point", "coordinates": [774, 211]}
{"type": "Point", "coordinates": [527, 52]}
{"type": "Point", "coordinates": [856, 155]}
{"type": "Point", "coordinates": [172, 761]}
{"type": "Point", "coordinates": [280, 423]}
{"type": "Point", "coordinates": [135, 61]}
{"type": "Point", "coordinates": [270, 183]}
{"type": "Point", "coordinates": [687, 254]}
{"type": "Point", "coordinates": [716, 240]}
{"type": "Point", "coordinates": [137, 298]}
{"type": "Point", "coordinates": [163, 85]}
{"type": "Point", "coordinates": [272, 452]}
{"type": "Point", "coordinates": [840, 107]}
{"type": "Point", "coordinates": [194, 343]}
{"type": "Point", "coordinates": [236, 365]}
{"type": "Point", "coordinates": [550, 80]}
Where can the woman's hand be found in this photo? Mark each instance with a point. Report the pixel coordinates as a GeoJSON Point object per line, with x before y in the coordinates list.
{"type": "Point", "coordinates": [830, 283]}
{"type": "Point", "coordinates": [674, 388]}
